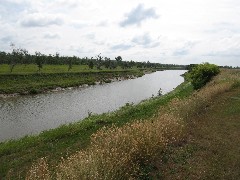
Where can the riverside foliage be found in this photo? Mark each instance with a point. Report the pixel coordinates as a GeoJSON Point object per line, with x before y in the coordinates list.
{"type": "Point", "coordinates": [203, 73]}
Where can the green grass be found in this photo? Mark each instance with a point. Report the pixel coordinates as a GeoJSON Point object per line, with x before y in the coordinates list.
{"type": "Point", "coordinates": [35, 83]}
{"type": "Point", "coordinates": [17, 156]}
{"type": "Point", "coordinates": [33, 69]}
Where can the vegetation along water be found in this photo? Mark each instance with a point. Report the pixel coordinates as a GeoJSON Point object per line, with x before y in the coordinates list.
{"type": "Point", "coordinates": [163, 137]}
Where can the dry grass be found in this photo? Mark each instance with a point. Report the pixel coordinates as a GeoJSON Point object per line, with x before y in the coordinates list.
{"type": "Point", "coordinates": [200, 100]}
{"type": "Point", "coordinates": [39, 170]}
{"type": "Point", "coordinates": [117, 153]}
{"type": "Point", "coordinates": [120, 152]}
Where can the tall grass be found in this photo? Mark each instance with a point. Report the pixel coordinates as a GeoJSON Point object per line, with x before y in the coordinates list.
{"type": "Point", "coordinates": [200, 100]}
{"type": "Point", "coordinates": [121, 152]}
{"type": "Point", "coordinates": [118, 152]}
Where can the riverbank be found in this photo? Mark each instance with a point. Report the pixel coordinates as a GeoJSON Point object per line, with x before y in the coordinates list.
{"type": "Point", "coordinates": [22, 84]}
{"type": "Point", "coordinates": [210, 149]}
{"type": "Point", "coordinates": [163, 137]}
{"type": "Point", "coordinates": [171, 144]}
{"type": "Point", "coordinates": [17, 156]}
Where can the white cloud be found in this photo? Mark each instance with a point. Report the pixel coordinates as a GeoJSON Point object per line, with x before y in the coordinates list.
{"type": "Point", "coordinates": [138, 15]}
{"type": "Point", "coordinates": [41, 20]}
{"type": "Point", "coordinates": [52, 36]}
{"type": "Point", "coordinates": [79, 23]}
{"type": "Point", "coordinates": [145, 41]}
{"type": "Point", "coordinates": [121, 46]}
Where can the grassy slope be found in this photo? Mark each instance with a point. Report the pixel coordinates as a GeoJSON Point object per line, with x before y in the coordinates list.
{"type": "Point", "coordinates": [17, 156]}
{"type": "Point", "coordinates": [212, 150]}
{"type": "Point", "coordinates": [34, 83]}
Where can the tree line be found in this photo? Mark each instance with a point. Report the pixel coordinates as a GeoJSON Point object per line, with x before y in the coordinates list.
{"type": "Point", "coordinates": [22, 56]}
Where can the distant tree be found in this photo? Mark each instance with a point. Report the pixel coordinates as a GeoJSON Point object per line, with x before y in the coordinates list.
{"type": "Point", "coordinates": [26, 56]}
{"type": "Point", "coordinates": [99, 61]}
{"type": "Point", "coordinates": [131, 64]}
{"type": "Point", "coordinates": [119, 60]}
{"type": "Point", "coordinates": [113, 65]}
{"type": "Point", "coordinates": [69, 64]}
{"type": "Point", "coordinates": [14, 57]}
{"type": "Point", "coordinates": [90, 64]}
{"type": "Point", "coordinates": [139, 65]}
{"type": "Point", "coordinates": [39, 60]}
{"type": "Point", "coordinates": [57, 58]}
{"type": "Point", "coordinates": [107, 62]}
{"type": "Point", "coordinates": [3, 57]}
{"type": "Point", "coordinates": [124, 65]}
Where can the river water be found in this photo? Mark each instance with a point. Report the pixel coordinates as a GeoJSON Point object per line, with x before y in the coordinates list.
{"type": "Point", "coordinates": [26, 115]}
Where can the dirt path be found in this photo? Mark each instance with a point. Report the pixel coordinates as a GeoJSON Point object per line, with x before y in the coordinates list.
{"type": "Point", "coordinates": [212, 150]}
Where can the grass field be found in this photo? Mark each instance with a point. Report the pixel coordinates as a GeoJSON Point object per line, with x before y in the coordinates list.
{"type": "Point", "coordinates": [32, 69]}
{"type": "Point", "coordinates": [27, 79]}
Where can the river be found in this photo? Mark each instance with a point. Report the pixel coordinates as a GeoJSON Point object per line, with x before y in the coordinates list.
{"type": "Point", "coordinates": [31, 114]}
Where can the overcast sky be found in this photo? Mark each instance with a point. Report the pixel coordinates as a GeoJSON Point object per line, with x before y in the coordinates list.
{"type": "Point", "coordinates": [164, 31]}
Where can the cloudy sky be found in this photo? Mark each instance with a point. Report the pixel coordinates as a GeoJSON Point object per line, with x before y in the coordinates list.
{"type": "Point", "coordinates": [164, 31]}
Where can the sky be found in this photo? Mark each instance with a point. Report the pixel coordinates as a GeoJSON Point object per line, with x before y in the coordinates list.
{"type": "Point", "coordinates": [162, 31]}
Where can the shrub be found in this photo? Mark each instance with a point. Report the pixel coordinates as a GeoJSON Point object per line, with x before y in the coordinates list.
{"type": "Point", "coordinates": [33, 91]}
{"type": "Point", "coordinates": [203, 73]}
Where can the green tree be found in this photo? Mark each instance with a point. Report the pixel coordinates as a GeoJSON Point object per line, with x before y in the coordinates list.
{"type": "Point", "coordinates": [119, 60]}
{"type": "Point", "coordinates": [99, 61]}
{"type": "Point", "coordinates": [90, 64]}
{"type": "Point", "coordinates": [202, 73]}
{"type": "Point", "coordinates": [39, 60]}
{"type": "Point", "coordinates": [69, 64]}
{"type": "Point", "coordinates": [107, 62]}
{"type": "Point", "coordinates": [14, 57]}
{"type": "Point", "coordinates": [26, 56]}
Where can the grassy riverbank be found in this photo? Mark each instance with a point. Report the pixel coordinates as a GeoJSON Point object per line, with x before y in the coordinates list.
{"type": "Point", "coordinates": [50, 69]}
{"type": "Point", "coordinates": [185, 134]}
{"type": "Point", "coordinates": [171, 144]}
{"type": "Point", "coordinates": [40, 82]}
{"type": "Point", "coordinates": [17, 156]}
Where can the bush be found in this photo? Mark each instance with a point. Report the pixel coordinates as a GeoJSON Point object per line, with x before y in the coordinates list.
{"type": "Point", "coordinates": [203, 73]}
